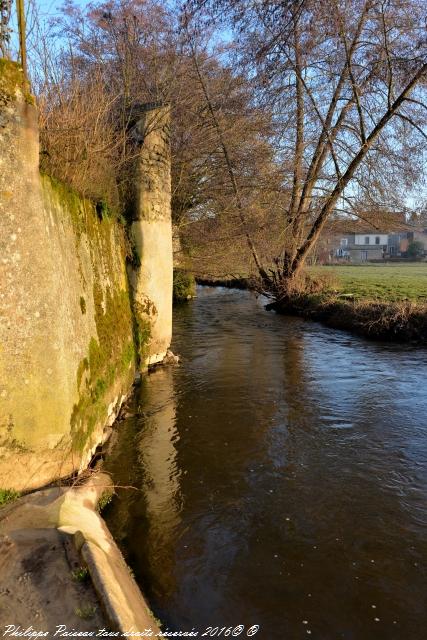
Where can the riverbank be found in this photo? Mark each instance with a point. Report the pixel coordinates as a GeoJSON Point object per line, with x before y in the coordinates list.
{"type": "Point", "coordinates": [398, 321]}
{"type": "Point", "coordinates": [229, 283]}
{"type": "Point", "coordinates": [403, 321]}
{"type": "Point", "coordinates": [53, 542]}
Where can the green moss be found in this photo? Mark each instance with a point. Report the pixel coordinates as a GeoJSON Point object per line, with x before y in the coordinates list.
{"type": "Point", "coordinates": [95, 357]}
{"type": "Point", "coordinates": [142, 327]}
{"type": "Point", "coordinates": [109, 358]}
{"type": "Point", "coordinates": [105, 499]}
{"type": "Point", "coordinates": [86, 612]}
{"type": "Point", "coordinates": [71, 201]}
{"type": "Point", "coordinates": [12, 78]}
{"type": "Point", "coordinates": [84, 418]}
{"type": "Point", "coordinates": [184, 286]}
{"type": "Point", "coordinates": [107, 365]}
{"type": "Point", "coordinates": [105, 211]}
{"type": "Point", "coordinates": [128, 354]}
{"type": "Point", "coordinates": [83, 366]}
{"type": "Point", "coordinates": [81, 574]}
{"type": "Point", "coordinates": [99, 388]}
{"type": "Point", "coordinates": [8, 495]}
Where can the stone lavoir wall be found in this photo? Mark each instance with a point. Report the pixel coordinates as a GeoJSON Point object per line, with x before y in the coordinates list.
{"type": "Point", "coordinates": [68, 336]}
{"type": "Point", "coordinates": [151, 232]}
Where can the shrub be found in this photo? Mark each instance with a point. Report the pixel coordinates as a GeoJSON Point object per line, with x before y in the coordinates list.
{"type": "Point", "coordinates": [184, 286]}
{"type": "Point", "coordinates": [415, 250]}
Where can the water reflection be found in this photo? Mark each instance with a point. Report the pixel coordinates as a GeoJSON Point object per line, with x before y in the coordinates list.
{"type": "Point", "coordinates": [144, 464]}
{"type": "Point", "coordinates": [157, 456]}
{"type": "Point", "coordinates": [282, 476]}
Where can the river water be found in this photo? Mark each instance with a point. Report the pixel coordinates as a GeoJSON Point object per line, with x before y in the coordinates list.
{"type": "Point", "coordinates": [281, 478]}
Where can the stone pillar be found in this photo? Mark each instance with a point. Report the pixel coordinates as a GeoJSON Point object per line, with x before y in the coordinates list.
{"type": "Point", "coordinates": [151, 230]}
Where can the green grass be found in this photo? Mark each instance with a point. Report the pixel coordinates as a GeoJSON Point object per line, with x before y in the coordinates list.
{"type": "Point", "coordinates": [86, 612]}
{"type": "Point", "coordinates": [8, 495]}
{"type": "Point", "coordinates": [80, 575]}
{"type": "Point", "coordinates": [388, 282]}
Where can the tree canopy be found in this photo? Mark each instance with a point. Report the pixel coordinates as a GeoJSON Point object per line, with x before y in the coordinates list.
{"type": "Point", "coordinates": [284, 113]}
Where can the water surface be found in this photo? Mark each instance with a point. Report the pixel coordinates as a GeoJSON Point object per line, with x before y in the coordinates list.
{"type": "Point", "coordinates": [282, 478]}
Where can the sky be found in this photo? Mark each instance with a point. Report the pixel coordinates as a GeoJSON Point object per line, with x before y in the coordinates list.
{"type": "Point", "coordinates": [46, 9]}
{"type": "Point", "coordinates": [51, 8]}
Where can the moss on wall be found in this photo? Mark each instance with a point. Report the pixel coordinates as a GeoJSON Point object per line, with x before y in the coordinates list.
{"type": "Point", "coordinates": [108, 361]}
{"type": "Point", "coordinates": [12, 78]}
{"type": "Point", "coordinates": [142, 328]}
{"type": "Point", "coordinates": [74, 205]}
{"type": "Point", "coordinates": [70, 341]}
{"type": "Point", "coordinates": [107, 367]}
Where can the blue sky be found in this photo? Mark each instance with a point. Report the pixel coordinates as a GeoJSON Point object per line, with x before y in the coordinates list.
{"type": "Point", "coordinates": [50, 7]}
{"type": "Point", "coordinates": [46, 9]}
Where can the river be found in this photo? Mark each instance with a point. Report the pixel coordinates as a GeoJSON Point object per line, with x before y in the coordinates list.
{"type": "Point", "coordinates": [281, 476]}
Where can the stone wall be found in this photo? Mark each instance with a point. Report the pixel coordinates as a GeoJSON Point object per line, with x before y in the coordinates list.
{"type": "Point", "coordinates": [151, 230]}
{"type": "Point", "coordinates": [67, 331]}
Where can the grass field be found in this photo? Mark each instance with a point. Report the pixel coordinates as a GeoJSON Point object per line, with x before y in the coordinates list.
{"type": "Point", "coordinates": [380, 281]}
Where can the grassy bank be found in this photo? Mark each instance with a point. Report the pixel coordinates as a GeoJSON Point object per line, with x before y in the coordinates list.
{"type": "Point", "coordinates": [385, 282]}
{"type": "Point", "coordinates": [380, 301]}
{"type": "Point", "coordinates": [400, 321]}
{"type": "Point", "coordinates": [184, 286]}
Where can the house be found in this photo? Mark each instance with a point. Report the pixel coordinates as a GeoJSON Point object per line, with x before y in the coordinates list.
{"type": "Point", "coordinates": [363, 247]}
{"type": "Point", "coordinates": [347, 240]}
{"type": "Point", "coordinates": [367, 246]}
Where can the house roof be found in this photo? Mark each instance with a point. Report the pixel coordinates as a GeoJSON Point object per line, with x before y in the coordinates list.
{"type": "Point", "coordinates": [385, 223]}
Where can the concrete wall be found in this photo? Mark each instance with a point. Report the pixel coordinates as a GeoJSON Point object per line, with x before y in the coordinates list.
{"type": "Point", "coordinates": [67, 348]}
{"type": "Point", "coordinates": [366, 253]}
{"type": "Point", "coordinates": [360, 239]}
{"type": "Point", "coordinates": [151, 230]}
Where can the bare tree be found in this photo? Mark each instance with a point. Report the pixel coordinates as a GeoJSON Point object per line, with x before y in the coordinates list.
{"type": "Point", "coordinates": [113, 57]}
{"type": "Point", "coordinates": [92, 68]}
{"type": "Point", "coordinates": [346, 81]}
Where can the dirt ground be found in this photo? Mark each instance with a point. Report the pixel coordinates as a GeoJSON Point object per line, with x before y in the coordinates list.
{"type": "Point", "coordinates": [37, 586]}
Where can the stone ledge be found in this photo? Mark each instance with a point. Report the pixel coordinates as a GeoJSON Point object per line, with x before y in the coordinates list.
{"type": "Point", "coordinates": [123, 604]}
{"type": "Point", "coordinates": [72, 511]}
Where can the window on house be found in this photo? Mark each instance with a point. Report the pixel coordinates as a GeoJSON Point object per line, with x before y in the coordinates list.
{"type": "Point", "coordinates": [367, 240]}
{"type": "Point", "coordinates": [377, 240]}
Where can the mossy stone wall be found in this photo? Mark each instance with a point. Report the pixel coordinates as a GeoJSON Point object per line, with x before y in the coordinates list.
{"type": "Point", "coordinates": [67, 354]}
